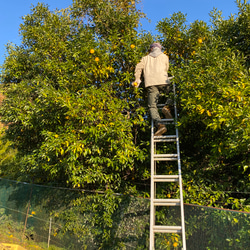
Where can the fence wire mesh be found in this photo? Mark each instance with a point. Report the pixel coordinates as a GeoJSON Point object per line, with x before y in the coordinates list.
{"type": "Point", "coordinates": [58, 218]}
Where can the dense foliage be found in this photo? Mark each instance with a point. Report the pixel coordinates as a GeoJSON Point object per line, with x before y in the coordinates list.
{"type": "Point", "coordinates": [75, 120]}
{"type": "Point", "coordinates": [66, 88]}
{"type": "Point", "coordinates": [213, 82]}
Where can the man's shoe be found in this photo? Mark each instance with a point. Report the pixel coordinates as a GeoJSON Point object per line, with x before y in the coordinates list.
{"type": "Point", "coordinates": [161, 130]}
{"type": "Point", "coordinates": [167, 112]}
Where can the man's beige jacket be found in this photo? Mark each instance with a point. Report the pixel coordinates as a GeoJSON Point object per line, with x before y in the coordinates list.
{"type": "Point", "coordinates": [155, 69]}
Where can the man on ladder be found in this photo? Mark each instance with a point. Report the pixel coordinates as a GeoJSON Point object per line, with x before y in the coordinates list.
{"type": "Point", "coordinates": [155, 69]}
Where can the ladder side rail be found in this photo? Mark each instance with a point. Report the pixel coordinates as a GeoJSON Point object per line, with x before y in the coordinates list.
{"type": "Point", "coordinates": [181, 196]}
{"type": "Point", "coordinates": [152, 191]}
{"type": "Point", "coordinates": [179, 172]}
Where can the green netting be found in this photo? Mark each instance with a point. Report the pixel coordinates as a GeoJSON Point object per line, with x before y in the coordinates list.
{"type": "Point", "coordinates": [70, 219]}
{"type": "Point", "coordinates": [217, 229]}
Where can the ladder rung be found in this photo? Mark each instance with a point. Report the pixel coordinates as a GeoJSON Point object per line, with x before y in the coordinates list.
{"type": "Point", "coordinates": [166, 178]}
{"type": "Point", "coordinates": [167, 121]}
{"type": "Point", "coordinates": [167, 202]}
{"type": "Point", "coordinates": [167, 229]}
{"type": "Point", "coordinates": [165, 157]}
{"type": "Point", "coordinates": [160, 105]}
{"type": "Point", "coordinates": [165, 138]}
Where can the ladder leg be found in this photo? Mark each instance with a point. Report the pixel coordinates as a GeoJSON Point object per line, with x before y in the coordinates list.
{"type": "Point", "coordinates": [180, 174]}
{"type": "Point", "coordinates": [152, 191]}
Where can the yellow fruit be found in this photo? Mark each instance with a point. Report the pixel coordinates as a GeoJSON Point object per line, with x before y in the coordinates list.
{"type": "Point", "coordinates": [97, 59]}
{"type": "Point", "coordinates": [92, 51]}
{"type": "Point", "coordinates": [135, 84]}
{"type": "Point", "coordinates": [132, 46]}
{"type": "Point", "coordinates": [175, 244]}
{"type": "Point", "coordinates": [200, 40]}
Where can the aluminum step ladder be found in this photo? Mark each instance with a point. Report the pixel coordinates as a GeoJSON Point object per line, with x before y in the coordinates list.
{"type": "Point", "coordinates": [157, 178]}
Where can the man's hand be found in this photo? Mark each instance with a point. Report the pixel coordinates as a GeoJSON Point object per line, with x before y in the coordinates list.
{"type": "Point", "coordinates": [136, 84]}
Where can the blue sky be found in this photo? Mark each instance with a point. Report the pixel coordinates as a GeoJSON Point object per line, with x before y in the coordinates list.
{"type": "Point", "coordinates": [11, 12]}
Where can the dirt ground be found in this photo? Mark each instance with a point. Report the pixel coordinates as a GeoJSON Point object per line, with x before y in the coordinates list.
{"type": "Point", "coordinates": [13, 240]}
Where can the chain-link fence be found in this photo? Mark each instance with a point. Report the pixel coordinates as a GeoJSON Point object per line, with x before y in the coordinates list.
{"type": "Point", "coordinates": [58, 218]}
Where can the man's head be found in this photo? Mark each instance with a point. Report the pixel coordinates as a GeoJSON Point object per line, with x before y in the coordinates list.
{"type": "Point", "coordinates": [155, 45]}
